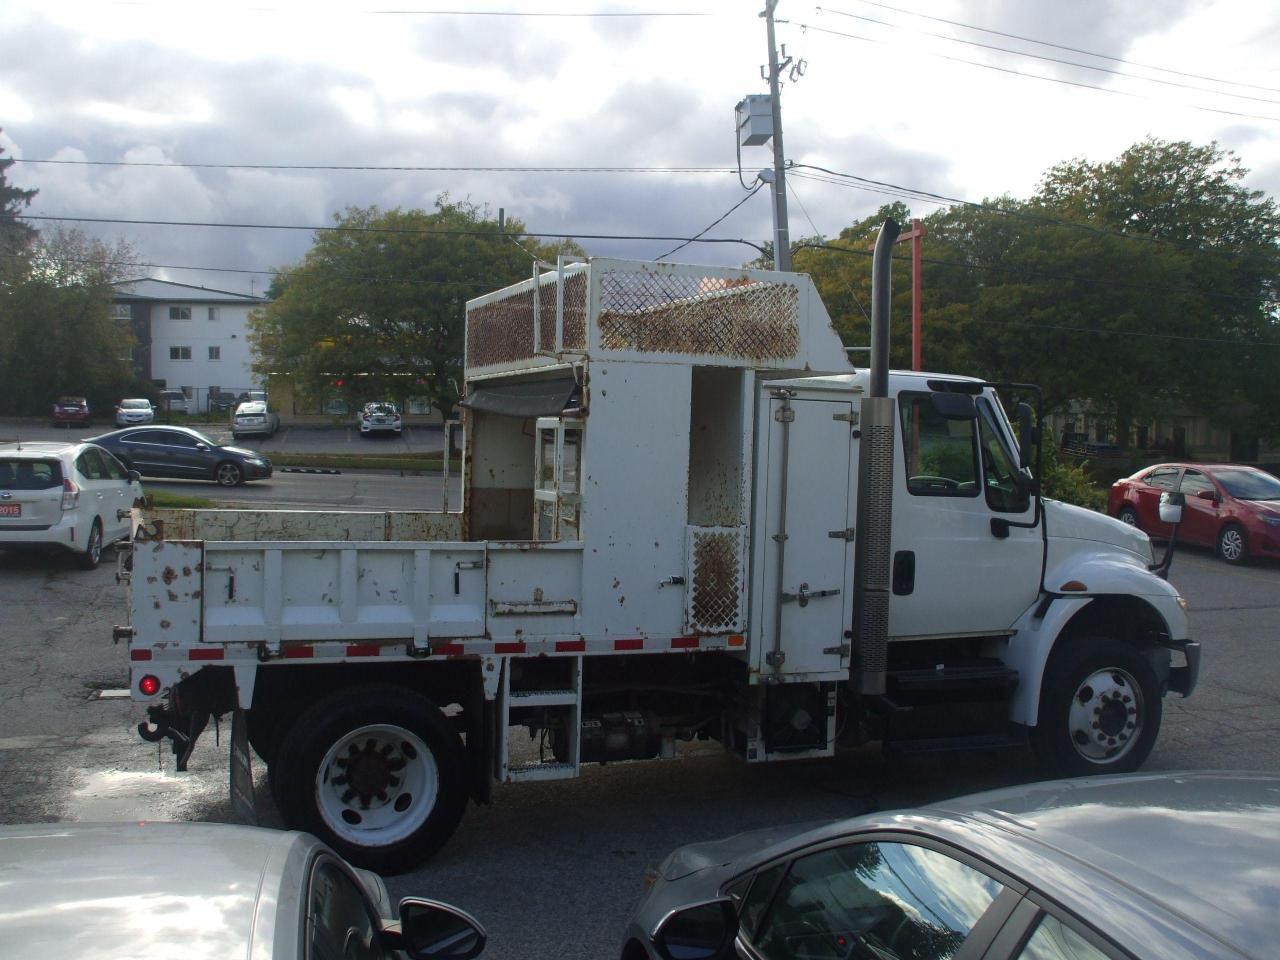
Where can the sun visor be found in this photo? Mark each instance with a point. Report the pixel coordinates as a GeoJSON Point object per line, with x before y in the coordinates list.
{"type": "Point", "coordinates": [528, 399]}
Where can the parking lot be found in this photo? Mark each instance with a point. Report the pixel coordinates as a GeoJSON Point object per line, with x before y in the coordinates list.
{"type": "Point", "coordinates": [520, 863]}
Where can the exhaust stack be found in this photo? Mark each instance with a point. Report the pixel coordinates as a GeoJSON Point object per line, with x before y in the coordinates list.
{"type": "Point", "coordinates": [870, 627]}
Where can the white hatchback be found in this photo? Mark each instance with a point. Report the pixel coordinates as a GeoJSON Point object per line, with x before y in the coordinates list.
{"type": "Point", "coordinates": [72, 497]}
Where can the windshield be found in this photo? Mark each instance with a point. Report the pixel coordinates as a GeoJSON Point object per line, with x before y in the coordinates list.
{"type": "Point", "coordinates": [1249, 484]}
{"type": "Point", "coordinates": [135, 404]}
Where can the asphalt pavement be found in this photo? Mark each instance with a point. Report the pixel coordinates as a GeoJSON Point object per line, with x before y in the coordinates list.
{"type": "Point", "coordinates": [553, 869]}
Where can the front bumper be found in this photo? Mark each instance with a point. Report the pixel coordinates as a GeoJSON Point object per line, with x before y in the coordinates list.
{"type": "Point", "coordinates": [254, 472]}
{"type": "Point", "coordinates": [1183, 679]}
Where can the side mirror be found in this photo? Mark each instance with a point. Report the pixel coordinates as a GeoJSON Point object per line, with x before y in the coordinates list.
{"type": "Point", "coordinates": [1027, 435]}
{"type": "Point", "coordinates": [430, 930]}
{"type": "Point", "coordinates": [954, 406]}
{"type": "Point", "coordinates": [202, 446]}
{"type": "Point", "coordinates": [705, 931]}
{"type": "Point", "coordinates": [134, 476]}
{"type": "Point", "coordinates": [1171, 502]}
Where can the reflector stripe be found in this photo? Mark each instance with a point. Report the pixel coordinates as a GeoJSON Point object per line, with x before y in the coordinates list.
{"type": "Point", "coordinates": [636, 644]}
{"type": "Point", "coordinates": [571, 646]}
{"type": "Point", "coordinates": [363, 650]}
{"type": "Point", "coordinates": [206, 654]}
{"type": "Point", "coordinates": [139, 654]}
{"type": "Point", "coordinates": [683, 643]}
{"type": "Point", "coordinates": [509, 647]}
{"type": "Point", "coordinates": [446, 649]}
{"type": "Point", "coordinates": [299, 653]}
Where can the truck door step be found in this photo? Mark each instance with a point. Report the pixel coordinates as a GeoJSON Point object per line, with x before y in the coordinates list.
{"type": "Point", "coordinates": [967, 681]}
{"type": "Point", "coordinates": [981, 741]}
{"type": "Point", "coordinates": [542, 771]}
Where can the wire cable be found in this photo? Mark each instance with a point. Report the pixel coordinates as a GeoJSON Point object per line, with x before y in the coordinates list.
{"type": "Point", "coordinates": [818, 233]}
{"type": "Point", "coordinates": [714, 223]}
{"type": "Point", "coordinates": [393, 168]}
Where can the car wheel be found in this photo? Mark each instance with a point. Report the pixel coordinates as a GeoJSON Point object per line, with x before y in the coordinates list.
{"type": "Point", "coordinates": [1130, 516]}
{"type": "Point", "coordinates": [1100, 708]}
{"type": "Point", "coordinates": [92, 553]}
{"type": "Point", "coordinates": [228, 474]}
{"type": "Point", "coordinates": [1232, 545]}
{"type": "Point", "coordinates": [377, 772]}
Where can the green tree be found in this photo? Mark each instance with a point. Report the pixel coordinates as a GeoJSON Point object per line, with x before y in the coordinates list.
{"type": "Point", "coordinates": [380, 302]}
{"type": "Point", "coordinates": [15, 236]}
{"type": "Point", "coordinates": [57, 335]}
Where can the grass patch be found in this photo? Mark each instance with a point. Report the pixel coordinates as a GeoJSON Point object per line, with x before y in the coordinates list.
{"type": "Point", "coordinates": [412, 462]}
{"type": "Point", "coordinates": [178, 501]}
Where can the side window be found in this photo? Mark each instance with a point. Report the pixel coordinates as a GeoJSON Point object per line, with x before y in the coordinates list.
{"type": "Point", "coordinates": [171, 438]}
{"type": "Point", "coordinates": [1161, 478]}
{"type": "Point", "coordinates": [892, 901]}
{"type": "Point", "coordinates": [143, 436]}
{"type": "Point", "coordinates": [111, 467]}
{"type": "Point", "coordinates": [340, 923]}
{"type": "Point", "coordinates": [90, 466]}
{"type": "Point", "coordinates": [1193, 482]}
{"type": "Point", "coordinates": [1054, 940]}
{"type": "Point", "coordinates": [941, 455]}
{"type": "Point", "coordinates": [1005, 485]}
{"type": "Point", "coordinates": [759, 897]}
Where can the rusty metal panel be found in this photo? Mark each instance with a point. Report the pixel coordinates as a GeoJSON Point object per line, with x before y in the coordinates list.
{"type": "Point", "coordinates": [535, 590]}
{"type": "Point", "coordinates": [166, 589]}
{"type": "Point", "coordinates": [423, 525]}
{"type": "Point", "coordinates": [716, 581]}
{"type": "Point", "coordinates": [299, 525]}
{"type": "Point", "coordinates": [500, 327]}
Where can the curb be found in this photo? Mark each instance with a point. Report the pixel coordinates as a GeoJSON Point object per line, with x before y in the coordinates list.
{"type": "Point", "coordinates": [309, 470]}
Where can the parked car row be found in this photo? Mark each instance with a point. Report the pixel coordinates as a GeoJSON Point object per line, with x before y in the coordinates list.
{"type": "Point", "coordinates": [1232, 508]}
{"type": "Point", "coordinates": [75, 411]}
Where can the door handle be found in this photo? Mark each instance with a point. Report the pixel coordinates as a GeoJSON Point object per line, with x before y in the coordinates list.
{"type": "Point", "coordinates": [904, 572]}
{"type": "Point", "coordinates": [805, 595]}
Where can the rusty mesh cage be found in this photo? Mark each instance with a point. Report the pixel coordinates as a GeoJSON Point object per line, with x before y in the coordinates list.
{"type": "Point", "coordinates": [501, 331]}
{"type": "Point", "coordinates": [717, 579]}
{"type": "Point", "coordinates": [693, 314]}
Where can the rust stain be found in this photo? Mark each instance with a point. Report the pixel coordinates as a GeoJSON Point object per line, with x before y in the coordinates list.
{"type": "Point", "coordinates": [165, 624]}
{"type": "Point", "coordinates": [173, 597]}
{"type": "Point", "coordinates": [156, 603]}
{"type": "Point", "coordinates": [621, 601]}
{"type": "Point", "coordinates": [151, 579]}
{"type": "Point", "coordinates": [186, 571]}
{"type": "Point", "coordinates": [169, 575]}
{"type": "Point", "coordinates": [195, 594]}
{"type": "Point", "coordinates": [616, 583]}
{"type": "Point", "coordinates": [537, 594]}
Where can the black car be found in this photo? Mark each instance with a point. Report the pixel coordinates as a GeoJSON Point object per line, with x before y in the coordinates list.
{"type": "Point", "coordinates": [181, 452]}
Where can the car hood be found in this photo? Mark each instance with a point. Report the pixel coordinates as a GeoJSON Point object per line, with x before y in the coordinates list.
{"type": "Point", "coordinates": [1065, 521]}
{"type": "Point", "coordinates": [1263, 508]}
{"type": "Point", "coordinates": [241, 451]}
{"type": "Point", "coordinates": [693, 857]}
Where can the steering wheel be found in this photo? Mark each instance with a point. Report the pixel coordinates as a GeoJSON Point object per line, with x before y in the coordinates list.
{"type": "Point", "coordinates": [933, 483]}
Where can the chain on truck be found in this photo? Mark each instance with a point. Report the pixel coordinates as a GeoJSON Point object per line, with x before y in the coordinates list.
{"type": "Point", "coordinates": [685, 516]}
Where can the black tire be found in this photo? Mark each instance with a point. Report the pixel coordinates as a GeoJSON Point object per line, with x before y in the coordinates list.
{"type": "Point", "coordinates": [1100, 708]}
{"type": "Point", "coordinates": [228, 474]}
{"type": "Point", "coordinates": [88, 558]}
{"type": "Point", "coordinates": [409, 758]}
{"type": "Point", "coordinates": [1233, 544]}
{"type": "Point", "coordinates": [1129, 515]}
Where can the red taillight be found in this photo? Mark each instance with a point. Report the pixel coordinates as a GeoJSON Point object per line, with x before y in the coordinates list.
{"type": "Point", "coordinates": [149, 685]}
{"type": "Point", "coordinates": [396, 418]}
{"type": "Point", "coordinates": [70, 494]}
{"type": "Point", "coordinates": [366, 417]}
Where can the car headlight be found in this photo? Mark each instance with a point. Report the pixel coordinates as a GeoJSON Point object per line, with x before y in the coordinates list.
{"type": "Point", "coordinates": [1182, 602]}
{"type": "Point", "coordinates": [255, 461]}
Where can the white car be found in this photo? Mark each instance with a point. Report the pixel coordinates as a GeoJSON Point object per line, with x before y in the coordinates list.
{"type": "Point", "coordinates": [73, 497]}
{"type": "Point", "coordinates": [131, 412]}
{"type": "Point", "coordinates": [254, 418]}
{"type": "Point", "coordinates": [380, 417]}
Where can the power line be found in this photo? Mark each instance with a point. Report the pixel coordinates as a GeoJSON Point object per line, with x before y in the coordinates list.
{"type": "Point", "coordinates": [394, 168]}
{"type": "Point", "coordinates": [380, 230]}
{"type": "Point", "coordinates": [1037, 76]}
{"type": "Point", "coordinates": [1058, 60]}
{"type": "Point", "coordinates": [713, 223]}
{"type": "Point", "coordinates": [818, 233]}
{"type": "Point", "coordinates": [1056, 46]}
{"type": "Point", "coordinates": [408, 12]}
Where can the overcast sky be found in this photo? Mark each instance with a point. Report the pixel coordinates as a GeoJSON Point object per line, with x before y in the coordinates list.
{"type": "Point", "coordinates": [360, 83]}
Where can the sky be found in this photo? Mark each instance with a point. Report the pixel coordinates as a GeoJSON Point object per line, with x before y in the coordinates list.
{"type": "Point", "coordinates": [886, 94]}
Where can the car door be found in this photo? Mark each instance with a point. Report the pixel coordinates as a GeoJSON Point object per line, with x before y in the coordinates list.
{"type": "Point", "coordinates": [185, 457]}
{"type": "Point", "coordinates": [1202, 510]}
{"type": "Point", "coordinates": [120, 493]}
{"type": "Point", "coordinates": [97, 498]}
{"type": "Point", "coordinates": [143, 450]}
{"type": "Point", "coordinates": [1146, 494]}
{"type": "Point", "coordinates": [881, 898]}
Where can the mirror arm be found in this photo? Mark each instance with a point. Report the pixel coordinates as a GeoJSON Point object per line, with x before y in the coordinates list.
{"type": "Point", "coordinates": [390, 934]}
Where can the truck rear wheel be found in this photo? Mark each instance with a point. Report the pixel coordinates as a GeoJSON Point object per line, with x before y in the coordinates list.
{"type": "Point", "coordinates": [1100, 708]}
{"type": "Point", "coordinates": [377, 772]}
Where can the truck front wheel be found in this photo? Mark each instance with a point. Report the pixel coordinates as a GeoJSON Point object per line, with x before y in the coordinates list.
{"type": "Point", "coordinates": [377, 772]}
{"type": "Point", "coordinates": [1100, 708]}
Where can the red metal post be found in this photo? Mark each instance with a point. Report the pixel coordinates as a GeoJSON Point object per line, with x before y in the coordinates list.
{"type": "Point", "coordinates": [915, 235]}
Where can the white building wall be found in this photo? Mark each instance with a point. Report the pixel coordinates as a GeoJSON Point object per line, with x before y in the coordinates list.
{"type": "Point", "coordinates": [229, 333]}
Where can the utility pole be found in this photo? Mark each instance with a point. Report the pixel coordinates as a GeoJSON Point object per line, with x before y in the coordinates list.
{"type": "Point", "coordinates": [781, 235]}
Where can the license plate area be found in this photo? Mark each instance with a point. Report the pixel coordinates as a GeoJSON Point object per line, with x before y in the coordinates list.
{"type": "Point", "coordinates": [10, 509]}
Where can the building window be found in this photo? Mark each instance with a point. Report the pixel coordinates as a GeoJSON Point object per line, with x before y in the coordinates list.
{"type": "Point", "coordinates": [215, 353]}
{"type": "Point", "coordinates": [213, 315]}
{"type": "Point", "coordinates": [121, 311]}
{"type": "Point", "coordinates": [179, 313]}
{"type": "Point", "coordinates": [179, 353]}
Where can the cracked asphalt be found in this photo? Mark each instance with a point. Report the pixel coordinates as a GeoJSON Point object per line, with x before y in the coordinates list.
{"type": "Point", "coordinates": [553, 869]}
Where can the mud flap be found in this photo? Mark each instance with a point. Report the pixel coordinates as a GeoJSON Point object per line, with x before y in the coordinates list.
{"type": "Point", "coordinates": [242, 797]}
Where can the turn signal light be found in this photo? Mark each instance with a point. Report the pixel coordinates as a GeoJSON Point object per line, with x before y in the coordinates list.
{"type": "Point", "coordinates": [70, 494]}
{"type": "Point", "coordinates": [149, 685]}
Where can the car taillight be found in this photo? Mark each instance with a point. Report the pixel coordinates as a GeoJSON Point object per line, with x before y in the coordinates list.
{"type": "Point", "coordinates": [396, 417]}
{"type": "Point", "coordinates": [365, 416]}
{"type": "Point", "coordinates": [70, 495]}
{"type": "Point", "coordinates": [149, 685]}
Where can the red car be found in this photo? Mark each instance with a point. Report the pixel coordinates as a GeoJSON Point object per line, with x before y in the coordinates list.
{"type": "Point", "coordinates": [1234, 509]}
{"type": "Point", "coordinates": [71, 410]}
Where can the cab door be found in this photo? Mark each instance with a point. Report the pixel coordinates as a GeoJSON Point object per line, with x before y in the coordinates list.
{"type": "Point", "coordinates": [953, 572]}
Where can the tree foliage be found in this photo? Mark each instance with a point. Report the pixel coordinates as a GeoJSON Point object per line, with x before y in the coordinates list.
{"type": "Point", "coordinates": [57, 335]}
{"type": "Point", "coordinates": [378, 305]}
{"type": "Point", "coordinates": [15, 236]}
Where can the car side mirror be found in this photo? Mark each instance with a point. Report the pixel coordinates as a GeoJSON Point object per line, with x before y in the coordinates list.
{"type": "Point", "coordinates": [430, 930]}
{"type": "Point", "coordinates": [202, 446]}
{"type": "Point", "coordinates": [705, 931]}
{"type": "Point", "coordinates": [1171, 502]}
{"type": "Point", "coordinates": [134, 476]}
{"type": "Point", "coordinates": [954, 406]}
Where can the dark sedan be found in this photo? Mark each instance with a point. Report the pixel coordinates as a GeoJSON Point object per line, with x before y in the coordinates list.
{"type": "Point", "coordinates": [1232, 508]}
{"type": "Point", "coordinates": [184, 454]}
{"type": "Point", "coordinates": [1160, 867]}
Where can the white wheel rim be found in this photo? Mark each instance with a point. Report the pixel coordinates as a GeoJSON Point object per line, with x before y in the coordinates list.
{"type": "Point", "coordinates": [1129, 517]}
{"type": "Point", "coordinates": [95, 544]}
{"type": "Point", "coordinates": [1106, 715]}
{"type": "Point", "coordinates": [1232, 544]}
{"type": "Point", "coordinates": [377, 785]}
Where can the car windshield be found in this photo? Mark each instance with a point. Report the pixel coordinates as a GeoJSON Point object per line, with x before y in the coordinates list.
{"type": "Point", "coordinates": [1249, 484]}
{"type": "Point", "coordinates": [135, 404]}
{"type": "Point", "coordinates": [22, 474]}
{"type": "Point", "coordinates": [381, 408]}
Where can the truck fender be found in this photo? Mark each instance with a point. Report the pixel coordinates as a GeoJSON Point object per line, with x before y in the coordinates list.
{"type": "Point", "coordinates": [1028, 652]}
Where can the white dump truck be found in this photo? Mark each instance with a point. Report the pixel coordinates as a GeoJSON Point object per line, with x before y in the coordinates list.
{"type": "Point", "coordinates": [685, 515]}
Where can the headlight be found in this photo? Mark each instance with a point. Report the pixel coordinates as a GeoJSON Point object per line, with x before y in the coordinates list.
{"type": "Point", "coordinates": [255, 461]}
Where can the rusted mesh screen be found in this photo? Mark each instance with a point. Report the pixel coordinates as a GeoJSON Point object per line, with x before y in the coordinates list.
{"type": "Point", "coordinates": [716, 579]}
{"type": "Point", "coordinates": [673, 313]}
{"type": "Point", "coordinates": [501, 331]}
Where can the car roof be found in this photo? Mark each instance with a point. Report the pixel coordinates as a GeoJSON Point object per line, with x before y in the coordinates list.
{"type": "Point", "coordinates": [252, 404]}
{"type": "Point", "coordinates": [143, 890]}
{"type": "Point", "coordinates": [39, 449]}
